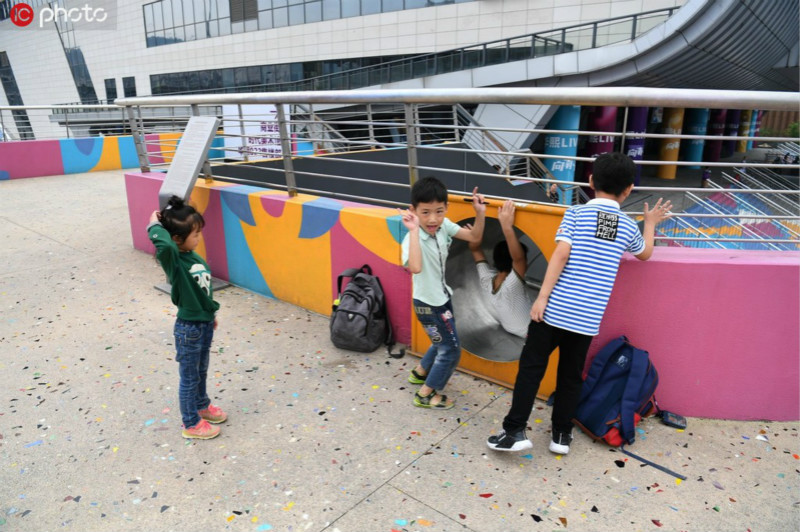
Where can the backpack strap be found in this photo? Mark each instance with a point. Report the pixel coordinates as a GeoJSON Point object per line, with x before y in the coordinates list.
{"type": "Point", "coordinates": [389, 340]}
{"type": "Point", "coordinates": [349, 272]}
{"type": "Point", "coordinates": [630, 397]}
{"type": "Point", "coordinates": [652, 464]}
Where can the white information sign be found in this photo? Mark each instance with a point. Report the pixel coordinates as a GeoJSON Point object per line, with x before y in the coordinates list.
{"type": "Point", "coordinates": [255, 135]}
{"type": "Point", "coordinates": [189, 158]}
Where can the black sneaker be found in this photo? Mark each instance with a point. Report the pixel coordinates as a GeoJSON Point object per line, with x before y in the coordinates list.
{"type": "Point", "coordinates": [509, 442]}
{"type": "Point", "coordinates": [560, 442]}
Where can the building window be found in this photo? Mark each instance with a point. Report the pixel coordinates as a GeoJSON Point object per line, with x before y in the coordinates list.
{"type": "Point", "coordinates": [129, 86]}
{"type": "Point", "coordinates": [242, 10]}
{"type": "Point", "coordinates": [111, 89]}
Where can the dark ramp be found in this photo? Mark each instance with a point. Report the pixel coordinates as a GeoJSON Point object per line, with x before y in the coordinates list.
{"type": "Point", "coordinates": [352, 165]}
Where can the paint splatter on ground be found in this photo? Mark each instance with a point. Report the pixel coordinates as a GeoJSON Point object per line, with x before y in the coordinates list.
{"type": "Point", "coordinates": [317, 438]}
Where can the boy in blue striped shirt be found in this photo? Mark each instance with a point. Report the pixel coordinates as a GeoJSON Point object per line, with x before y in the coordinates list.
{"type": "Point", "coordinates": [577, 285]}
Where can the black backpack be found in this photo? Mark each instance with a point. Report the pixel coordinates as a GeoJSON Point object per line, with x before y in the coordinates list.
{"type": "Point", "coordinates": [360, 320]}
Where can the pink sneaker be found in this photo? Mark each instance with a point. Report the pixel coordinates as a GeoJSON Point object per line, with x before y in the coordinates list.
{"type": "Point", "coordinates": [201, 431]}
{"type": "Point", "coordinates": [213, 414]}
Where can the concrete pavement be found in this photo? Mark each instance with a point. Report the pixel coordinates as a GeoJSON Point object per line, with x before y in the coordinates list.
{"type": "Point", "coordinates": [319, 439]}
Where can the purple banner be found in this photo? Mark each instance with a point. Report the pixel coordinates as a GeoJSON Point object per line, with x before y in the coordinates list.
{"type": "Point", "coordinates": [716, 126]}
{"type": "Point", "coordinates": [600, 119]}
{"type": "Point", "coordinates": [634, 146]}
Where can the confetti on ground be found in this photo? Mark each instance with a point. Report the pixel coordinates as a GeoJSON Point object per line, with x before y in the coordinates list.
{"type": "Point", "coordinates": [536, 518]}
{"type": "Point", "coordinates": [657, 523]}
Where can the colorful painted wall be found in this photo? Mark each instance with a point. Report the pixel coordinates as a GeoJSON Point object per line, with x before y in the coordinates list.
{"type": "Point", "coordinates": [36, 158]}
{"type": "Point", "coordinates": [721, 326]}
{"type": "Point", "coordinates": [291, 249]}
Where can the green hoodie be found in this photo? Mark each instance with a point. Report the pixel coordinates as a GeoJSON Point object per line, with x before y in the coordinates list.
{"type": "Point", "coordinates": [188, 274]}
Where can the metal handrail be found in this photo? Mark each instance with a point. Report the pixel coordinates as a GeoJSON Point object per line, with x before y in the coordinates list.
{"type": "Point", "coordinates": [613, 96]}
{"type": "Point", "coordinates": [426, 122]}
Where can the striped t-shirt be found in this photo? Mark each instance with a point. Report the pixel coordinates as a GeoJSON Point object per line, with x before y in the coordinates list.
{"type": "Point", "coordinates": [598, 233]}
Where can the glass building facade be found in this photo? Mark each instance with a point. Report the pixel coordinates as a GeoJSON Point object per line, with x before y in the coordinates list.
{"type": "Point", "coordinates": [174, 21]}
{"type": "Point", "coordinates": [254, 78]}
{"type": "Point", "coordinates": [9, 83]}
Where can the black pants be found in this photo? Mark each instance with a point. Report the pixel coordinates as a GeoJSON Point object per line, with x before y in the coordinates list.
{"type": "Point", "coordinates": [542, 340]}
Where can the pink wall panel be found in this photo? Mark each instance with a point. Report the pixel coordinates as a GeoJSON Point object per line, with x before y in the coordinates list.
{"type": "Point", "coordinates": [347, 252]}
{"type": "Point", "coordinates": [142, 191]}
{"type": "Point", "coordinates": [31, 158]}
{"type": "Point", "coordinates": [214, 236]}
{"type": "Point", "coordinates": [721, 328]}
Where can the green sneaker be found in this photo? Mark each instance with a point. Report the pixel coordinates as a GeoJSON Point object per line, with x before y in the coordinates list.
{"type": "Point", "coordinates": [416, 378]}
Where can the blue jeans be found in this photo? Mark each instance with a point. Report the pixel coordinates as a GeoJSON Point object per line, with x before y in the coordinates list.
{"type": "Point", "coordinates": [193, 343]}
{"type": "Point", "coordinates": [442, 357]}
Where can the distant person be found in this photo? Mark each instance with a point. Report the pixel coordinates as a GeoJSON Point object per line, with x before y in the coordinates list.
{"type": "Point", "coordinates": [504, 285]}
{"type": "Point", "coordinates": [175, 232]}
{"type": "Point", "coordinates": [425, 249]}
{"type": "Point", "coordinates": [552, 193]}
{"type": "Point", "coordinates": [796, 159]}
{"type": "Point", "coordinates": [706, 176]}
{"type": "Point", "coordinates": [577, 285]}
{"type": "Point", "coordinates": [743, 169]}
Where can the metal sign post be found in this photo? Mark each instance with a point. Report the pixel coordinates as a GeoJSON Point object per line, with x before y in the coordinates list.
{"type": "Point", "coordinates": [190, 157]}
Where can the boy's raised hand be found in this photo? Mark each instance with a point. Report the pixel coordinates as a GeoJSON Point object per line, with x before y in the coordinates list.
{"type": "Point", "coordinates": [659, 212]}
{"type": "Point", "coordinates": [410, 220]}
{"type": "Point", "coordinates": [505, 214]}
{"type": "Point", "coordinates": [478, 202]}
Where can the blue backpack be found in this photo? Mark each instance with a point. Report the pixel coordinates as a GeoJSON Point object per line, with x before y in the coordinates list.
{"type": "Point", "coordinates": [619, 388]}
